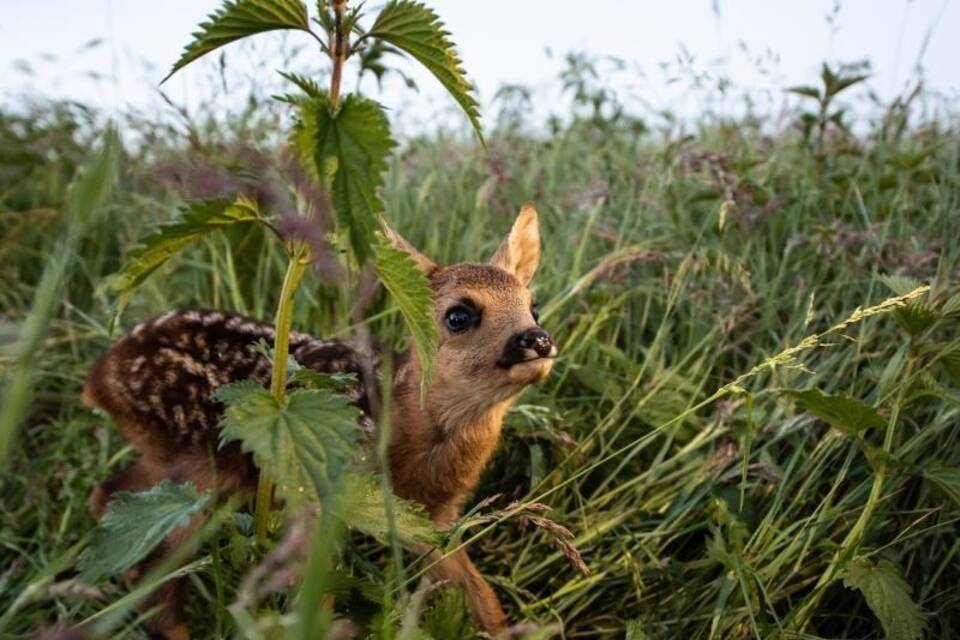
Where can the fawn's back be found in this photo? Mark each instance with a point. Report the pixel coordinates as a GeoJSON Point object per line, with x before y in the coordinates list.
{"type": "Point", "coordinates": [159, 380]}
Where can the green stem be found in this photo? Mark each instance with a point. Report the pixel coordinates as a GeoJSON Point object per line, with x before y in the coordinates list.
{"type": "Point", "coordinates": [299, 259]}
{"type": "Point", "coordinates": [854, 537]}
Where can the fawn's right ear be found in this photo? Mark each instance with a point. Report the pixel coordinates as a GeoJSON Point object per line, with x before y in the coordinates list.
{"type": "Point", "coordinates": [425, 264]}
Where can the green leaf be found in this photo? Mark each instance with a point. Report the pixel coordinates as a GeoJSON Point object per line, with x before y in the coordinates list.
{"type": "Point", "coordinates": [135, 524]}
{"type": "Point", "coordinates": [945, 478]}
{"type": "Point", "coordinates": [238, 19]}
{"type": "Point", "coordinates": [843, 82]}
{"type": "Point", "coordinates": [805, 90]}
{"type": "Point", "coordinates": [308, 85]}
{"type": "Point", "coordinates": [411, 291]}
{"type": "Point", "coordinates": [888, 596]}
{"type": "Point", "coordinates": [849, 415]}
{"type": "Point", "coordinates": [914, 318]}
{"type": "Point", "coordinates": [346, 151]}
{"type": "Point", "coordinates": [363, 508]}
{"type": "Point", "coordinates": [197, 219]}
{"type": "Point", "coordinates": [417, 30]}
{"type": "Point", "coordinates": [304, 445]}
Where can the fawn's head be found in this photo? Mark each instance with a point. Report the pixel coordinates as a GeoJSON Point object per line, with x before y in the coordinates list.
{"type": "Point", "coordinates": [490, 345]}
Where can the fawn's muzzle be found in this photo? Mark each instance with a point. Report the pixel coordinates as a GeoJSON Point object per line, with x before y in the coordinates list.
{"type": "Point", "coordinates": [531, 344]}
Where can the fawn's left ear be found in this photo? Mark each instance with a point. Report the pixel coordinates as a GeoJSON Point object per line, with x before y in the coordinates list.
{"type": "Point", "coordinates": [519, 253]}
{"type": "Point", "coordinates": [425, 264]}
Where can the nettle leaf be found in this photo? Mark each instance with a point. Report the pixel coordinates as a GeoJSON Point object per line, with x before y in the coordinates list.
{"type": "Point", "coordinates": [411, 291]}
{"type": "Point", "coordinates": [840, 411]}
{"type": "Point", "coordinates": [945, 478]}
{"type": "Point", "coordinates": [135, 524]}
{"type": "Point", "coordinates": [346, 150]}
{"type": "Point", "coordinates": [417, 30]}
{"type": "Point", "coordinates": [238, 19]}
{"type": "Point", "coordinates": [197, 219]}
{"type": "Point", "coordinates": [363, 509]}
{"type": "Point", "coordinates": [888, 596]}
{"type": "Point", "coordinates": [915, 317]}
{"type": "Point", "coordinates": [304, 445]}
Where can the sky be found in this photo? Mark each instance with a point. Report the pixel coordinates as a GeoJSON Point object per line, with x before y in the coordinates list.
{"type": "Point", "coordinates": [113, 53]}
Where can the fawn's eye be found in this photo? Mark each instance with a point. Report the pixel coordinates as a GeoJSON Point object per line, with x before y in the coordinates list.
{"type": "Point", "coordinates": [459, 319]}
{"type": "Point", "coordinates": [535, 311]}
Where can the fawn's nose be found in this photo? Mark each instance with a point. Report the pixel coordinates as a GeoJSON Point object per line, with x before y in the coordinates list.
{"type": "Point", "coordinates": [538, 340]}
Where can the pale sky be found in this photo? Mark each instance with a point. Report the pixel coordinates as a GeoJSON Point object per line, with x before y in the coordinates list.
{"type": "Point", "coordinates": [505, 41]}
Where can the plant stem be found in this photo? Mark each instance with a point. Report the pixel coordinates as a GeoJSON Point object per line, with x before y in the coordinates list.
{"type": "Point", "coordinates": [299, 259]}
{"type": "Point", "coordinates": [339, 49]}
{"type": "Point", "coordinates": [854, 537]}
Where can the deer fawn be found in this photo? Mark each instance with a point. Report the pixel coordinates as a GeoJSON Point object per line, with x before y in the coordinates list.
{"type": "Point", "coordinates": [158, 382]}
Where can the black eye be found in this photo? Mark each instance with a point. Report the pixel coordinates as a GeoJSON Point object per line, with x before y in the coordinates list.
{"type": "Point", "coordinates": [535, 310]}
{"type": "Point", "coordinates": [459, 319]}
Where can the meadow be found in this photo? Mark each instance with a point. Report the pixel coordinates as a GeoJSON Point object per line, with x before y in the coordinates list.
{"type": "Point", "coordinates": [753, 430]}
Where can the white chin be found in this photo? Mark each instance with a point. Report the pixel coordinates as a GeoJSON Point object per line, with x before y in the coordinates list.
{"type": "Point", "coordinates": [530, 371]}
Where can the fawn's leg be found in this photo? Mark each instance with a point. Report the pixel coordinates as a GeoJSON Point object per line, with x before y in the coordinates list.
{"type": "Point", "coordinates": [485, 609]}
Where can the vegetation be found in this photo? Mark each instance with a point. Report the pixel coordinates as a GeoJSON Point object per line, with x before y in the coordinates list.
{"type": "Point", "coordinates": [752, 430]}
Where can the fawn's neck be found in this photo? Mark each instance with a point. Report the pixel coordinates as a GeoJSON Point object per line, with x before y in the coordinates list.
{"type": "Point", "coordinates": [439, 448]}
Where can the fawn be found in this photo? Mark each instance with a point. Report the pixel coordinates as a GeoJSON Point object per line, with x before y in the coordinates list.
{"type": "Point", "coordinates": [158, 382]}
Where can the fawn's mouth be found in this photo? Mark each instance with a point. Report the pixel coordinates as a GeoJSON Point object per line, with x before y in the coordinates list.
{"type": "Point", "coordinates": [525, 359]}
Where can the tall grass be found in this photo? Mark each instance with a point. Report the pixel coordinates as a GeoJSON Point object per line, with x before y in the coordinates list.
{"type": "Point", "coordinates": [673, 265]}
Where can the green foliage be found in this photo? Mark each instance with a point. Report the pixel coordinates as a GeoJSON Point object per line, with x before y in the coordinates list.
{"type": "Point", "coordinates": [135, 524]}
{"type": "Point", "coordinates": [945, 477]}
{"type": "Point", "coordinates": [411, 292]}
{"type": "Point", "coordinates": [647, 303]}
{"type": "Point", "coordinates": [916, 317]}
{"type": "Point", "coordinates": [362, 507]}
{"type": "Point", "coordinates": [84, 200]}
{"type": "Point", "coordinates": [415, 28]}
{"type": "Point", "coordinates": [842, 412]}
{"type": "Point", "coordinates": [888, 596]}
{"type": "Point", "coordinates": [304, 444]}
{"type": "Point", "coordinates": [833, 82]}
{"type": "Point", "coordinates": [346, 148]}
{"type": "Point", "coordinates": [238, 19]}
{"type": "Point", "coordinates": [197, 220]}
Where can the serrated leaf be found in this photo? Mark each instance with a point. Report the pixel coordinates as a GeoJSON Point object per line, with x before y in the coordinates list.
{"type": "Point", "coordinates": [318, 380]}
{"type": "Point", "coordinates": [417, 30]}
{"type": "Point", "coordinates": [304, 445]}
{"type": "Point", "coordinates": [308, 85]}
{"type": "Point", "coordinates": [914, 318]}
{"type": "Point", "coordinates": [841, 411]}
{"type": "Point", "coordinates": [805, 90]}
{"type": "Point", "coordinates": [346, 151]}
{"type": "Point", "coordinates": [197, 219]}
{"type": "Point", "coordinates": [888, 596]}
{"type": "Point", "coordinates": [411, 291]}
{"type": "Point", "coordinates": [238, 19]}
{"type": "Point", "coordinates": [945, 478]}
{"type": "Point", "coordinates": [363, 509]}
{"type": "Point", "coordinates": [135, 524]}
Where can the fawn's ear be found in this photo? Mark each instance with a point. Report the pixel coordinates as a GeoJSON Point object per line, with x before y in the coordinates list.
{"type": "Point", "coordinates": [425, 264]}
{"type": "Point", "coordinates": [519, 253]}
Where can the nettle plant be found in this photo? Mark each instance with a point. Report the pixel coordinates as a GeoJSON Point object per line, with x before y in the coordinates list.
{"type": "Point", "coordinates": [301, 433]}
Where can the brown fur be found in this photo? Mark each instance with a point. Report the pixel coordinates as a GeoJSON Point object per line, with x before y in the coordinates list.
{"type": "Point", "coordinates": [158, 383]}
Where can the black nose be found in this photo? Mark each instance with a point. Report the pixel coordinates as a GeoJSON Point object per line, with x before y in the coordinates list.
{"type": "Point", "coordinates": [536, 339]}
